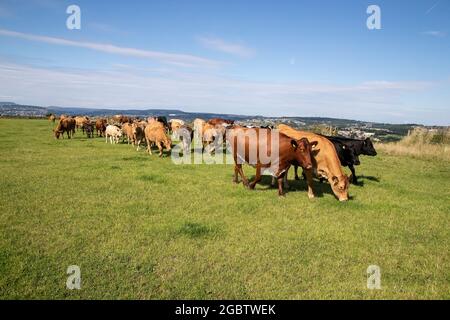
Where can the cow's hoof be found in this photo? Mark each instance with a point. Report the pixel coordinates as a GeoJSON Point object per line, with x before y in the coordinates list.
{"type": "Point", "coordinates": [311, 196]}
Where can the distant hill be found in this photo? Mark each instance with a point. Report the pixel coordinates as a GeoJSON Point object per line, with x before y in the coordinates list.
{"type": "Point", "coordinates": [11, 109]}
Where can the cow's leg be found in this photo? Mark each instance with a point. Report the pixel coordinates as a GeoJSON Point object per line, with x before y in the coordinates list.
{"type": "Point", "coordinates": [354, 178]}
{"type": "Point", "coordinates": [160, 148]}
{"type": "Point", "coordinates": [280, 186]}
{"type": "Point", "coordinates": [241, 173]}
{"type": "Point", "coordinates": [149, 143]}
{"type": "Point", "coordinates": [257, 177]}
{"type": "Point", "coordinates": [309, 179]}
{"type": "Point", "coordinates": [236, 172]}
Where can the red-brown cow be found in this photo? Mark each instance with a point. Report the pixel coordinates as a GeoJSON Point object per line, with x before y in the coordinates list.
{"type": "Point", "coordinates": [280, 152]}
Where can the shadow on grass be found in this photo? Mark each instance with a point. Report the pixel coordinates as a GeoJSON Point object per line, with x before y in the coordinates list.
{"type": "Point", "coordinates": [299, 186]}
{"type": "Point", "coordinates": [197, 230]}
{"type": "Point", "coordinates": [152, 178]}
{"type": "Point", "coordinates": [362, 178]}
{"type": "Point", "coordinates": [136, 158]}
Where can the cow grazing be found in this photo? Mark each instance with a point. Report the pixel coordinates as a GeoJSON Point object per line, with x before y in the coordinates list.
{"type": "Point", "coordinates": [290, 152]}
{"type": "Point", "coordinates": [113, 133]}
{"type": "Point", "coordinates": [65, 125]}
{"type": "Point", "coordinates": [326, 162]}
{"type": "Point", "coordinates": [156, 133]}
{"type": "Point", "coordinates": [349, 151]}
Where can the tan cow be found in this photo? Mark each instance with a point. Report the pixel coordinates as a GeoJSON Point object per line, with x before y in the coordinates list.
{"type": "Point", "coordinates": [326, 162]}
{"type": "Point", "coordinates": [79, 121]}
{"type": "Point", "coordinates": [198, 129]}
{"type": "Point", "coordinates": [156, 133]}
{"type": "Point", "coordinates": [127, 130]}
{"type": "Point", "coordinates": [175, 124]}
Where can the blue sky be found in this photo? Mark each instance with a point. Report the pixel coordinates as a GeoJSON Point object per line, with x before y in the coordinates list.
{"type": "Point", "coordinates": [274, 58]}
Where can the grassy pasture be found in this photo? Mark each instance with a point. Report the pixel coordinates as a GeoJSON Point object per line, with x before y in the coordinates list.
{"type": "Point", "coordinates": [141, 227]}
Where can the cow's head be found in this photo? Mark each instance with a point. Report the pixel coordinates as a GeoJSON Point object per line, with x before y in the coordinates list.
{"type": "Point", "coordinates": [302, 149]}
{"type": "Point", "coordinates": [339, 185]}
{"type": "Point", "coordinates": [57, 133]}
{"type": "Point", "coordinates": [368, 149]}
{"type": "Point", "coordinates": [168, 144]}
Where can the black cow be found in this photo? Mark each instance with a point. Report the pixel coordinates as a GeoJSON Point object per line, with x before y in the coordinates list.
{"type": "Point", "coordinates": [163, 120]}
{"type": "Point", "coordinates": [349, 151]}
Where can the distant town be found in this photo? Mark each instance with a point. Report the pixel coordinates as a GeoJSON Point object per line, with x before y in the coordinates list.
{"type": "Point", "coordinates": [379, 132]}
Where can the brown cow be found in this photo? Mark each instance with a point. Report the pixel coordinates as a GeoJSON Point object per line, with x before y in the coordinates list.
{"type": "Point", "coordinates": [100, 127]}
{"type": "Point", "coordinates": [325, 161]}
{"type": "Point", "coordinates": [65, 125]}
{"type": "Point", "coordinates": [220, 121]}
{"type": "Point", "coordinates": [244, 142]}
{"type": "Point", "coordinates": [156, 133]}
{"type": "Point", "coordinates": [127, 130]}
{"type": "Point", "coordinates": [119, 118]}
{"type": "Point", "coordinates": [138, 131]}
{"type": "Point", "coordinates": [88, 127]}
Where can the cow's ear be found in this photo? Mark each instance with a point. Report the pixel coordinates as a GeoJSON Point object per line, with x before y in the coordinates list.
{"type": "Point", "coordinates": [314, 144]}
{"type": "Point", "coordinates": [294, 144]}
{"type": "Point", "coordinates": [315, 152]}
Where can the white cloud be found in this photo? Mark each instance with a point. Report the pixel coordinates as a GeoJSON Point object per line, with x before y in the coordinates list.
{"type": "Point", "coordinates": [125, 87]}
{"type": "Point", "coordinates": [221, 45]}
{"type": "Point", "coordinates": [184, 60]}
{"type": "Point", "coordinates": [435, 33]}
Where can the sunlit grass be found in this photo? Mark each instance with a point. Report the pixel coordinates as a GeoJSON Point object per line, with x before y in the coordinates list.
{"type": "Point", "coordinates": [141, 227]}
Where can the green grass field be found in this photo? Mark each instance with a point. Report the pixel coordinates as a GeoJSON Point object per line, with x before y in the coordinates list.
{"type": "Point", "coordinates": [141, 227]}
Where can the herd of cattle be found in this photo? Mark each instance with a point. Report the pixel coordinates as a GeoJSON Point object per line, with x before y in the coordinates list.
{"type": "Point", "coordinates": [318, 155]}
